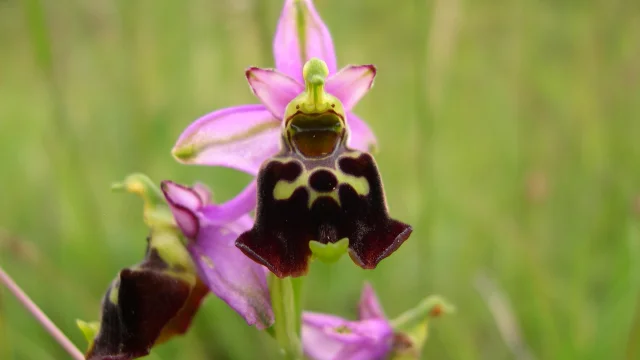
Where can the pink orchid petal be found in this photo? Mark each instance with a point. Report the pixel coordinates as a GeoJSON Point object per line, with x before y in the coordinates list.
{"type": "Point", "coordinates": [233, 277]}
{"type": "Point", "coordinates": [328, 337]}
{"type": "Point", "coordinates": [287, 48]}
{"type": "Point", "coordinates": [204, 193]}
{"type": "Point", "coordinates": [273, 88]}
{"type": "Point", "coordinates": [361, 136]}
{"type": "Point", "coordinates": [369, 306]}
{"type": "Point", "coordinates": [241, 204]}
{"type": "Point", "coordinates": [229, 274]}
{"type": "Point", "coordinates": [183, 201]}
{"type": "Point", "coordinates": [239, 137]}
{"type": "Point", "coordinates": [351, 83]}
{"type": "Point", "coordinates": [182, 195]}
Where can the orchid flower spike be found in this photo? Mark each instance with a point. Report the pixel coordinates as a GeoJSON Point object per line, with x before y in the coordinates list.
{"type": "Point", "coordinates": [318, 189]}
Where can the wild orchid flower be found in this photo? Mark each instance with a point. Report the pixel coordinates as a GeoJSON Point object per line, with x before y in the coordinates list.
{"type": "Point", "coordinates": [344, 192]}
{"type": "Point", "coordinates": [373, 336]}
{"type": "Point", "coordinates": [317, 189]}
{"type": "Point", "coordinates": [243, 137]}
{"type": "Point", "coordinates": [233, 277]}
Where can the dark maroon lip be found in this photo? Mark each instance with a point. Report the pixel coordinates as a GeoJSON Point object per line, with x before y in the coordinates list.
{"type": "Point", "coordinates": [330, 111]}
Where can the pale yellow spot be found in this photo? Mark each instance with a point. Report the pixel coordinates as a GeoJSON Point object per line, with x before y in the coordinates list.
{"type": "Point", "coordinates": [284, 189]}
{"type": "Point", "coordinates": [343, 329]}
{"type": "Point", "coordinates": [136, 187]}
{"type": "Point", "coordinates": [359, 183]}
{"type": "Point", "coordinates": [207, 261]}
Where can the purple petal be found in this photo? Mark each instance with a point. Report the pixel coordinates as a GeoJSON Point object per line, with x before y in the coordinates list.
{"type": "Point", "coordinates": [233, 209]}
{"type": "Point", "coordinates": [204, 193]}
{"type": "Point", "coordinates": [184, 203]}
{"type": "Point", "coordinates": [330, 337]}
{"type": "Point", "coordinates": [290, 51]}
{"type": "Point", "coordinates": [369, 306]}
{"type": "Point", "coordinates": [351, 83]}
{"type": "Point", "coordinates": [239, 137]}
{"type": "Point", "coordinates": [273, 88]}
{"type": "Point", "coordinates": [233, 277]}
{"type": "Point", "coordinates": [181, 195]}
{"type": "Point", "coordinates": [361, 136]}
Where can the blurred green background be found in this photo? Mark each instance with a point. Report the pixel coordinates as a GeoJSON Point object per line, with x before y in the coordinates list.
{"type": "Point", "coordinates": [509, 136]}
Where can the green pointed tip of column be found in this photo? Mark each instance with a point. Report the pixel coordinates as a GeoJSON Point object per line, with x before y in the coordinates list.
{"type": "Point", "coordinates": [89, 329]}
{"type": "Point", "coordinates": [331, 252]}
{"type": "Point", "coordinates": [183, 153]}
{"type": "Point", "coordinates": [314, 99]}
{"type": "Point", "coordinates": [315, 71]}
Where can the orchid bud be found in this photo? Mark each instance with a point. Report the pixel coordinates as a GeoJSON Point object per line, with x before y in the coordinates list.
{"type": "Point", "coordinates": [317, 189]}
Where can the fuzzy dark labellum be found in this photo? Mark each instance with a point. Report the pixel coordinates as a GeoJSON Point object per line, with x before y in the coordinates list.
{"type": "Point", "coordinates": [301, 199]}
{"type": "Point", "coordinates": [145, 305]}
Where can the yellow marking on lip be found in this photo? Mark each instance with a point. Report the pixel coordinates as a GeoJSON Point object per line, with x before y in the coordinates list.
{"type": "Point", "coordinates": [285, 189]}
{"type": "Point", "coordinates": [359, 183]}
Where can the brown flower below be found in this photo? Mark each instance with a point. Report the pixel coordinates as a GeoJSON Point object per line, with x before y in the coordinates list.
{"type": "Point", "coordinates": [149, 303]}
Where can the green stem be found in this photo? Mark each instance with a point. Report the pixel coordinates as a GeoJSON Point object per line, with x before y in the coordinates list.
{"type": "Point", "coordinates": [633, 345]}
{"type": "Point", "coordinates": [285, 300]}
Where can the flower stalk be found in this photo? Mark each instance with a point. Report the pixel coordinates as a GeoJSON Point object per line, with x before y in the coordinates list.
{"type": "Point", "coordinates": [42, 318]}
{"type": "Point", "coordinates": [285, 300]}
